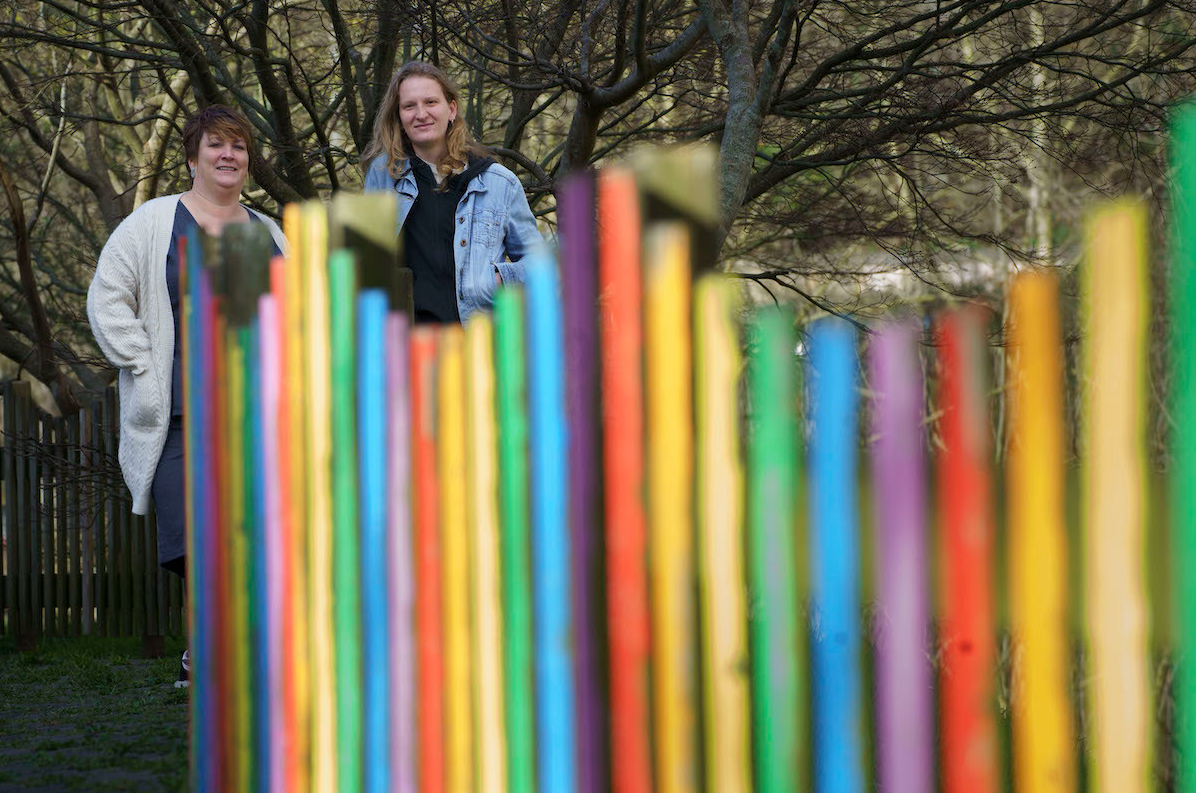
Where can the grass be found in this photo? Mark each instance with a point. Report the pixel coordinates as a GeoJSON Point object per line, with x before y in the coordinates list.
{"type": "Point", "coordinates": [91, 714]}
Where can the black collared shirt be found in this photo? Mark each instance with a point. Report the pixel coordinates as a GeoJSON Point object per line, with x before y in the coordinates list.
{"type": "Point", "coordinates": [428, 240]}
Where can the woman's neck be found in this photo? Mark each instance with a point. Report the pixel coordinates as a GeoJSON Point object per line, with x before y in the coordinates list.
{"type": "Point", "coordinates": [223, 204]}
{"type": "Point", "coordinates": [213, 211]}
{"type": "Point", "coordinates": [432, 154]}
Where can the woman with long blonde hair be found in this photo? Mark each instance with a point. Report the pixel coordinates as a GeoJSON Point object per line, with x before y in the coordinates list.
{"type": "Point", "coordinates": [465, 218]}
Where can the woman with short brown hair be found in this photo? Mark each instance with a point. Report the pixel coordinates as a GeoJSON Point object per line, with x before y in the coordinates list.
{"type": "Point", "coordinates": [133, 307]}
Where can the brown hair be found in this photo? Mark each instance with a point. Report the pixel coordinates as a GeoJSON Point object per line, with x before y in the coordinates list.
{"type": "Point", "coordinates": [390, 140]}
{"type": "Point", "coordinates": [219, 120]}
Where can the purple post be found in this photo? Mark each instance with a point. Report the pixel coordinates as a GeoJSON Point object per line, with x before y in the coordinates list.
{"type": "Point", "coordinates": [579, 293]}
{"type": "Point", "coordinates": [401, 570]}
{"type": "Point", "coordinates": [903, 679]}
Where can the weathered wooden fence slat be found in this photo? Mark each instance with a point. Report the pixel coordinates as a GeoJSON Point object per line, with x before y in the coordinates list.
{"type": "Point", "coordinates": [99, 414]}
{"type": "Point", "coordinates": [76, 561]}
{"type": "Point", "coordinates": [113, 511]}
{"type": "Point", "coordinates": [60, 507]}
{"type": "Point", "coordinates": [10, 506]}
{"type": "Point", "coordinates": [24, 527]}
{"type": "Point", "coordinates": [87, 463]}
{"type": "Point", "coordinates": [74, 522]}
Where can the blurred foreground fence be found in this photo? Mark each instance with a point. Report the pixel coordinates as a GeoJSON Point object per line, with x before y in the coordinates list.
{"type": "Point", "coordinates": [76, 561]}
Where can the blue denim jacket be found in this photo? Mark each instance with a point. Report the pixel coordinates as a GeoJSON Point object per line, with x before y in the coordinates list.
{"type": "Point", "coordinates": [494, 225]}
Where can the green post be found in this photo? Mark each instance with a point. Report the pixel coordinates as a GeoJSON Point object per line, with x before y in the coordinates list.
{"type": "Point", "coordinates": [1183, 445]}
{"type": "Point", "coordinates": [346, 565]}
{"type": "Point", "coordinates": [511, 392]}
{"type": "Point", "coordinates": [776, 627]}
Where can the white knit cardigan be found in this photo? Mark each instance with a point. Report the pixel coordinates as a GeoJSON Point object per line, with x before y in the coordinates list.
{"type": "Point", "coordinates": [129, 310]}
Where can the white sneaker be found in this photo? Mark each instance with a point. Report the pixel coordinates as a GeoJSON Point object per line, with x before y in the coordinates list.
{"type": "Point", "coordinates": [184, 680]}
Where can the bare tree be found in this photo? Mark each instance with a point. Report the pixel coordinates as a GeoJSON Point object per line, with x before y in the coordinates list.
{"type": "Point", "coordinates": [913, 129]}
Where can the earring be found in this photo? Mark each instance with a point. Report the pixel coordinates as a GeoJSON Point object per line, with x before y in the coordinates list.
{"type": "Point", "coordinates": [192, 169]}
{"type": "Point", "coordinates": [449, 127]}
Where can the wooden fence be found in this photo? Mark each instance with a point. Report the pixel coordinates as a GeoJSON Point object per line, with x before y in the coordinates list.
{"type": "Point", "coordinates": [76, 560]}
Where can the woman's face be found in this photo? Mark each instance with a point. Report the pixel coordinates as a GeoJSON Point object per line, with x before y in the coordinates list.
{"type": "Point", "coordinates": [221, 163]}
{"type": "Point", "coordinates": [425, 113]}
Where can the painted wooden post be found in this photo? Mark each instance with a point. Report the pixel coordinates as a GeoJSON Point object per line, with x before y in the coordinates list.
{"type": "Point", "coordinates": [904, 710]}
{"type": "Point", "coordinates": [627, 616]}
{"type": "Point", "coordinates": [669, 399]}
{"type": "Point", "coordinates": [777, 625]}
{"type": "Point", "coordinates": [967, 633]}
{"type": "Point", "coordinates": [318, 482]}
{"type": "Point", "coordinates": [455, 553]}
{"type": "Point", "coordinates": [485, 571]}
{"type": "Point", "coordinates": [1043, 736]}
{"type": "Point", "coordinates": [834, 556]}
{"type": "Point", "coordinates": [426, 510]}
{"type": "Point", "coordinates": [346, 574]}
{"type": "Point", "coordinates": [1182, 323]}
{"type": "Point", "coordinates": [510, 353]}
{"type": "Point", "coordinates": [551, 602]}
{"type": "Point", "coordinates": [722, 586]}
{"type": "Point", "coordinates": [1114, 494]}
{"type": "Point", "coordinates": [579, 292]}
{"type": "Point", "coordinates": [289, 288]}
{"type": "Point", "coordinates": [400, 559]}
{"type": "Point", "coordinates": [373, 559]}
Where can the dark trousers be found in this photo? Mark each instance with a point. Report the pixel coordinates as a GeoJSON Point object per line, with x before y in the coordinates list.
{"type": "Point", "coordinates": [170, 502]}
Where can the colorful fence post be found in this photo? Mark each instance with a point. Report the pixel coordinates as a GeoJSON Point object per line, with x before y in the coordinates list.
{"type": "Point", "coordinates": [722, 584]}
{"type": "Point", "coordinates": [904, 716]}
{"type": "Point", "coordinates": [514, 516]}
{"type": "Point", "coordinates": [1183, 408]}
{"type": "Point", "coordinates": [777, 627]}
{"type": "Point", "coordinates": [967, 562]}
{"type": "Point", "coordinates": [834, 561]}
{"type": "Point", "coordinates": [480, 522]}
{"type": "Point", "coordinates": [1042, 724]}
{"type": "Point", "coordinates": [553, 619]}
{"type": "Point", "coordinates": [1115, 488]}
{"type": "Point", "coordinates": [669, 400]}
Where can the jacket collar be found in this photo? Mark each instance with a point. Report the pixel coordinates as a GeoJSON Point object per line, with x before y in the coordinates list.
{"type": "Point", "coordinates": [405, 181]}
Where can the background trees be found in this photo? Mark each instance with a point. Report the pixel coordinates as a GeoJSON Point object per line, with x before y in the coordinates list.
{"type": "Point", "coordinates": [940, 142]}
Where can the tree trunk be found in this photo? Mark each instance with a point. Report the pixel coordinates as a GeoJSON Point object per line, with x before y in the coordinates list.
{"type": "Point", "coordinates": [47, 369]}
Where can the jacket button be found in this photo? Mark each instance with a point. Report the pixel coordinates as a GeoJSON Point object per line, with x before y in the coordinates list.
{"type": "Point", "coordinates": [460, 220]}
{"type": "Point", "coordinates": [462, 243]}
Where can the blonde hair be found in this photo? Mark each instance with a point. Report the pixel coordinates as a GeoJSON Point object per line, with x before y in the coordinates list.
{"type": "Point", "coordinates": [390, 140]}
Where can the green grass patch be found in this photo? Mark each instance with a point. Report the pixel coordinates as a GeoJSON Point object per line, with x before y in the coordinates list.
{"type": "Point", "coordinates": [90, 714]}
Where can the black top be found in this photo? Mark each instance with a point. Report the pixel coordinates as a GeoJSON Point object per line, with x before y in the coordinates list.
{"type": "Point", "coordinates": [428, 239]}
{"type": "Point", "coordinates": [183, 223]}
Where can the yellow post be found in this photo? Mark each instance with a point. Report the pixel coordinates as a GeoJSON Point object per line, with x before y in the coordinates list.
{"type": "Point", "coordinates": [1043, 743]}
{"type": "Point", "coordinates": [319, 497]}
{"type": "Point", "coordinates": [482, 480]}
{"type": "Point", "coordinates": [1114, 493]}
{"type": "Point", "coordinates": [295, 510]}
{"type": "Point", "coordinates": [454, 538]}
{"type": "Point", "coordinates": [670, 499]}
{"type": "Point", "coordinates": [721, 568]}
